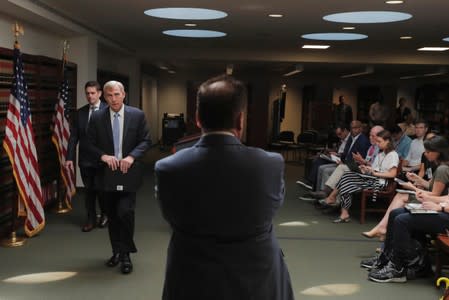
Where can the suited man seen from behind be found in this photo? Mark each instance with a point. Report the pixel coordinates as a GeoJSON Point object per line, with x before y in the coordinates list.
{"type": "Point", "coordinates": [119, 137]}
{"type": "Point", "coordinates": [87, 164]}
{"type": "Point", "coordinates": [220, 197]}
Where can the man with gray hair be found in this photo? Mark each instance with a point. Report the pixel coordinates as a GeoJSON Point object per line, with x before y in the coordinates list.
{"type": "Point", "coordinates": [119, 137]}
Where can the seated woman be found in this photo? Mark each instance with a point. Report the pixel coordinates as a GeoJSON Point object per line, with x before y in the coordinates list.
{"type": "Point", "coordinates": [403, 229]}
{"type": "Point", "coordinates": [434, 167]}
{"type": "Point", "coordinates": [384, 166]}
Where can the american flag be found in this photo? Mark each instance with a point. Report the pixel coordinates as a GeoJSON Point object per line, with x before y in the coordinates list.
{"type": "Point", "coordinates": [21, 149]}
{"type": "Point", "coordinates": [61, 134]}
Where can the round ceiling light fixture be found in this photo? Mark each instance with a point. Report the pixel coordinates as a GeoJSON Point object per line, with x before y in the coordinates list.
{"type": "Point", "coordinates": [194, 33]}
{"type": "Point", "coordinates": [334, 36]}
{"type": "Point", "coordinates": [185, 13]}
{"type": "Point", "coordinates": [367, 17]}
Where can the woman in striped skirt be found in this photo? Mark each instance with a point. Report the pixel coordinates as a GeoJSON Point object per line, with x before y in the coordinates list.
{"type": "Point", "coordinates": [384, 167]}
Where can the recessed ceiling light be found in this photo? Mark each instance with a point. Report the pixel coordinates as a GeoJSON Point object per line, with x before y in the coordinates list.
{"type": "Point", "coordinates": [194, 33]}
{"type": "Point", "coordinates": [406, 37]}
{"type": "Point", "coordinates": [348, 28]}
{"type": "Point", "coordinates": [433, 49]}
{"type": "Point", "coordinates": [360, 17]}
{"type": "Point", "coordinates": [334, 36]}
{"type": "Point", "coordinates": [394, 2]}
{"type": "Point", "coordinates": [275, 15]}
{"type": "Point", "coordinates": [185, 13]}
{"type": "Point", "coordinates": [315, 46]}
{"type": "Point", "coordinates": [190, 25]}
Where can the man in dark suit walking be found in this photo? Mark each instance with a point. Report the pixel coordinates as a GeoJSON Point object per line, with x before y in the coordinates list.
{"type": "Point", "coordinates": [119, 137]}
{"type": "Point", "coordinates": [220, 197]}
{"type": "Point", "coordinates": [88, 165]}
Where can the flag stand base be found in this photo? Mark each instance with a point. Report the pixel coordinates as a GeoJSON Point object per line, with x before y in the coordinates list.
{"type": "Point", "coordinates": [12, 241]}
{"type": "Point", "coordinates": [60, 209]}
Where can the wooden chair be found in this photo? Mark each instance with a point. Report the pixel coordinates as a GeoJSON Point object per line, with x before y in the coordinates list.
{"type": "Point", "coordinates": [385, 195]}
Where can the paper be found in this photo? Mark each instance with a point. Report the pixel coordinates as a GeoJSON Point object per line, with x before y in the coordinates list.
{"type": "Point", "coordinates": [400, 181]}
{"type": "Point", "coordinates": [416, 208]}
{"type": "Point", "coordinates": [402, 191]}
{"type": "Point", "coordinates": [335, 158]}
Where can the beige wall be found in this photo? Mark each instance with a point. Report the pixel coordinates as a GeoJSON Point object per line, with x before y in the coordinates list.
{"type": "Point", "coordinates": [35, 41]}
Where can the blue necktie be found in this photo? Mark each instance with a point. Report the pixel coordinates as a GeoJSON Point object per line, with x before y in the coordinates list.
{"type": "Point", "coordinates": [116, 134]}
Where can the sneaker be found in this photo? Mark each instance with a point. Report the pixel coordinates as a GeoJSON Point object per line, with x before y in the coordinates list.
{"type": "Point", "coordinates": [306, 185]}
{"type": "Point", "coordinates": [389, 273]}
{"type": "Point", "coordinates": [306, 198]}
{"type": "Point", "coordinates": [370, 263]}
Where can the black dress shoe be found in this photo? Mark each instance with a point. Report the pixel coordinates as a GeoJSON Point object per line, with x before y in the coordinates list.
{"type": "Point", "coordinates": [103, 221]}
{"type": "Point", "coordinates": [87, 227]}
{"type": "Point", "coordinates": [126, 265]}
{"type": "Point", "coordinates": [113, 261]}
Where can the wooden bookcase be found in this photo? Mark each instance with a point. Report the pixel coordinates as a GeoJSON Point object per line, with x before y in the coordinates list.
{"type": "Point", "coordinates": [43, 76]}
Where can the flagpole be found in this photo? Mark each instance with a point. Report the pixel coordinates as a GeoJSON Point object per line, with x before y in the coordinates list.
{"type": "Point", "coordinates": [61, 208]}
{"type": "Point", "coordinates": [13, 240]}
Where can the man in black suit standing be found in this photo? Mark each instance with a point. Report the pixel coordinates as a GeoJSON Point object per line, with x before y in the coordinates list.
{"type": "Point", "coordinates": [220, 197]}
{"type": "Point", "coordinates": [119, 137]}
{"type": "Point", "coordinates": [88, 165]}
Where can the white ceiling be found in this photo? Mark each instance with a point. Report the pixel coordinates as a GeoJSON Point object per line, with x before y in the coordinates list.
{"type": "Point", "coordinates": [253, 38]}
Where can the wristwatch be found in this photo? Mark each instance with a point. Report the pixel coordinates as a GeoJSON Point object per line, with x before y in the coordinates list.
{"type": "Point", "coordinates": [443, 205]}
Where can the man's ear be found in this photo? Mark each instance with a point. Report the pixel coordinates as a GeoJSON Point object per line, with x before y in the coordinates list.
{"type": "Point", "coordinates": [197, 120]}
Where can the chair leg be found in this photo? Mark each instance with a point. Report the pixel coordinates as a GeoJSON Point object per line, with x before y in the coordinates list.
{"type": "Point", "coordinates": [362, 208]}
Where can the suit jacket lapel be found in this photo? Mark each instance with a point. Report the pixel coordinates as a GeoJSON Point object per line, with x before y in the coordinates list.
{"type": "Point", "coordinates": [125, 124]}
{"type": "Point", "coordinates": [107, 121]}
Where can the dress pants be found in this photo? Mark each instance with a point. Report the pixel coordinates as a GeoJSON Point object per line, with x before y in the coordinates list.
{"type": "Point", "coordinates": [336, 175]}
{"type": "Point", "coordinates": [324, 172]}
{"type": "Point", "coordinates": [120, 207]}
{"type": "Point", "coordinates": [88, 177]}
{"type": "Point", "coordinates": [316, 163]}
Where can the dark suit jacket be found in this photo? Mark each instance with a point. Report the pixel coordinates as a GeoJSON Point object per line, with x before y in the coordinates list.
{"type": "Point", "coordinates": [78, 134]}
{"type": "Point", "coordinates": [136, 137]}
{"type": "Point", "coordinates": [361, 146]}
{"type": "Point", "coordinates": [220, 197]}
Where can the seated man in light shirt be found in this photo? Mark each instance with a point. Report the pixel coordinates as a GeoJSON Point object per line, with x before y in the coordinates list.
{"type": "Point", "coordinates": [412, 161]}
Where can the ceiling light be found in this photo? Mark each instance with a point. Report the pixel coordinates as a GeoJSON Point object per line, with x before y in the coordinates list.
{"type": "Point", "coordinates": [446, 39]}
{"type": "Point", "coordinates": [406, 37]}
{"type": "Point", "coordinates": [439, 72]}
{"type": "Point", "coordinates": [315, 46]}
{"type": "Point", "coordinates": [368, 70]}
{"type": "Point", "coordinates": [275, 15]}
{"type": "Point", "coordinates": [360, 17]}
{"type": "Point", "coordinates": [433, 49]}
{"type": "Point", "coordinates": [298, 69]}
{"type": "Point", "coordinates": [334, 36]}
{"type": "Point", "coordinates": [394, 2]}
{"type": "Point", "coordinates": [194, 33]}
{"type": "Point", "coordinates": [185, 13]}
{"type": "Point", "coordinates": [190, 25]}
{"type": "Point", "coordinates": [348, 28]}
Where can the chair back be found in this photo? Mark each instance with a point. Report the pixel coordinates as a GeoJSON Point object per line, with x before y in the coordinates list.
{"type": "Point", "coordinates": [286, 136]}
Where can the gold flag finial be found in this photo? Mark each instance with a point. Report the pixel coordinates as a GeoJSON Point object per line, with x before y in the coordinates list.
{"type": "Point", "coordinates": [17, 29]}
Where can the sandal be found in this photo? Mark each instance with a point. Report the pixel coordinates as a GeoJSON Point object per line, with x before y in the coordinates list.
{"type": "Point", "coordinates": [342, 220]}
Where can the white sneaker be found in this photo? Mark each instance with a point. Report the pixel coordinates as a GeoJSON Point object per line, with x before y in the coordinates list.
{"type": "Point", "coordinates": [309, 187]}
